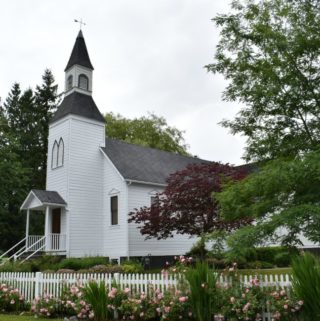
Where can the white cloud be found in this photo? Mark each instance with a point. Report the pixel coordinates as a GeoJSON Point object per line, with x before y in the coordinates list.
{"type": "Point", "coordinates": [148, 56]}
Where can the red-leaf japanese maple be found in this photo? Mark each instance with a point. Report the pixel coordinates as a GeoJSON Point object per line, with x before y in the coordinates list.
{"type": "Point", "coordinates": [187, 205]}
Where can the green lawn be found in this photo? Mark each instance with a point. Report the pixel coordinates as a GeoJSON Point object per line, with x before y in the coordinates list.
{"type": "Point", "coordinates": [11, 317]}
{"type": "Point", "coordinates": [274, 271]}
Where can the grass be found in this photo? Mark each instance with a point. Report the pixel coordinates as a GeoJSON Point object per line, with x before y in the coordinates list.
{"type": "Point", "coordinates": [274, 271]}
{"type": "Point", "coordinates": [12, 317]}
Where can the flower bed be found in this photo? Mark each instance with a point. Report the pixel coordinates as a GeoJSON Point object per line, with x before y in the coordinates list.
{"type": "Point", "coordinates": [199, 295]}
{"type": "Point", "coordinates": [11, 300]}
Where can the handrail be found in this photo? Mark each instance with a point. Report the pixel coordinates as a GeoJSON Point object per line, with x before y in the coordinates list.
{"type": "Point", "coordinates": [29, 247]}
{"type": "Point", "coordinates": [33, 253]}
{"type": "Point", "coordinates": [16, 253]}
{"type": "Point", "coordinates": [4, 254]}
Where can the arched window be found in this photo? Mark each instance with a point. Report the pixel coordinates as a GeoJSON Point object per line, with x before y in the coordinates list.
{"type": "Point", "coordinates": [83, 82]}
{"type": "Point", "coordinates": [54, 156]}
{"type": "Point", "coordinates": [60, 152]}
{"type": "Point", "coordinates": [69, 82]}
{"type": "Point", "coordinates": [57, 157]}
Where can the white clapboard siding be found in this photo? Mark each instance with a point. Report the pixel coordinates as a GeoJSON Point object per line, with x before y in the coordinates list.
{"type": "Point", "coordinates": [140, 195]}
{"type": "Point", "coordinates": [115, 236]}
{"type": "Point", "coordinates": [32, 285]}
{"type": "Point", "coordinates": [85, 196]}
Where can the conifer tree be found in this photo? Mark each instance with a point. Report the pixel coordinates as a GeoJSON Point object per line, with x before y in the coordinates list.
{"type": "Point", "coordinates": [13, 179]}
{"type": "Point", "coordinates": [46, 100]}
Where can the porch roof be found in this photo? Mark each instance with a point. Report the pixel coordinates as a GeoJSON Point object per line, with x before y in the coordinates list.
{"type": "Point", "coordinates": [38, 199]}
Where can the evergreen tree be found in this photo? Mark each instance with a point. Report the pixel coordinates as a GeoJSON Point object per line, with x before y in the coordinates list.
{"type": "Point", "coordinates": [24, 123]}
{"type": "Point", "coordinates": [13, 181]}
{"type": "Point", "coordinates": [46, 101]}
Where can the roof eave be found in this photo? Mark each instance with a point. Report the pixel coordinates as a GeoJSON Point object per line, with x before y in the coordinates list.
{"type": "Point", "coordinates": [130, 181]}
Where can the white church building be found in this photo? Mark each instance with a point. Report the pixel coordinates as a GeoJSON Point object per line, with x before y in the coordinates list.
{"type": "Point", "coordinates": [93, 182]}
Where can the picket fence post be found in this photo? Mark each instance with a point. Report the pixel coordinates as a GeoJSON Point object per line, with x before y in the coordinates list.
{"type": "Point", "coordinates": [37, 284]}
{"type": "Point", "coordinates": [116, 277]}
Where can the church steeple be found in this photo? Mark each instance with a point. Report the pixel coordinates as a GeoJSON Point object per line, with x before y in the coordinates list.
{"type": "Point", "coordinates": [78, 86]}
{"type": "Point", "coordinates": [79, 55]}
{"type": "Point", "coordinates": [78, 72]}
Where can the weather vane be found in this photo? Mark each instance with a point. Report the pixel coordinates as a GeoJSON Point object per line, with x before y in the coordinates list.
{"type": "Point", "coordinates": [81, 23]}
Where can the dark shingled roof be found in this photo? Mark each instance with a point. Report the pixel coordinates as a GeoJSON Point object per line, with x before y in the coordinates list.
{"type": "Point", "coordinates": [78, 104]}
{"type": "Point", "coordinates": [79, 54]}
{"type": "Point", "coordinates": [144, 164]}
{"type": "Point", "coordinates": [49, 197]}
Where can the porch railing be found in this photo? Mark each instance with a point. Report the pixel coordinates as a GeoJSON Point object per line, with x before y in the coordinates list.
{"type": "Point", "coordinates": [32, 243]}
{"type": "Point", "coordinates": [56, 242]}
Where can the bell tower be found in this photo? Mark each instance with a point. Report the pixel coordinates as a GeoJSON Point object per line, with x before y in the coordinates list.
{"type": "Point", "coordinates": [78, 72]}
{"type": "Point", "coordinates": [75, 162]}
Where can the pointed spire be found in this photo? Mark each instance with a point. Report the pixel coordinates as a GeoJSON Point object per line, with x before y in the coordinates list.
{"type": "Point", "coordinates": [79, 54]}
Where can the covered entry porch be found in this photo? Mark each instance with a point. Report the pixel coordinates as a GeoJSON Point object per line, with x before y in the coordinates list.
{"type": "Point", "coordinates": [53, 206]}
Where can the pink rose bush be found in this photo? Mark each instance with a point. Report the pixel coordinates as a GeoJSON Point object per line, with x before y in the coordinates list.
{"type": "Point", "coordinates": [242, 302]}
{"type": "Point", "coordinates": [175, 305]}
{"type": "Point", "coordinates": [11, 299]}
{"type": "Point", "coordinates": [46, 306]}
{"type": "Point", "coordinates": [73, 303]}
{"type": "Point", "coordinates": [283, 305]}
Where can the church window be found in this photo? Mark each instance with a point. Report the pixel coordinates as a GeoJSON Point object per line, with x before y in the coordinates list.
{"type": "Point", "coordinates": [57, 157]}
{"type": "Point", "coordinates": [60, 152]}
{"type": "Point", "coordinates": [69, 82]}
{"type": "Point", "coordinates": [54, 157]}
{"type": "Point", "coordinates": [83, 82]}
{"type": "Point", "coordinates": [114, 210]}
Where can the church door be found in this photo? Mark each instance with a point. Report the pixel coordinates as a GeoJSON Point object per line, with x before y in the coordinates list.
{"type": "Point", "coordinates": [56, 228]}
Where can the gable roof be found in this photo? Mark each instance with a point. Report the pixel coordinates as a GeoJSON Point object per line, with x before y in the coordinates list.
{"type": "Point", "coordinates": [39, 199]}
{"type": "Point", "coordinates": [78, 104]}
{"type": "Point", "coordinates": [145, 164]}
{"type": "Point", "coordinates": [49, 197]}
{"type": "Point", "coordinates": [79, 54]}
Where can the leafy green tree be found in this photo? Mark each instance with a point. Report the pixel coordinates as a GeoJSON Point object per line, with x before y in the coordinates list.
{"type": "Point", "coordinates": [152, 131]}
{"type": "Point", "coordinates": [282, 197]}
{"type": "Point", "coordinates": [269, 53]}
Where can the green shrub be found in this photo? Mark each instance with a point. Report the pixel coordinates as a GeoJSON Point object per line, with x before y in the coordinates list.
{"type": "Point", "coordinates": [43, 263]}
{"type": "Point", "coordinates": [132, 267]}
{"type": "Point", "coordinates": [306, 285]}
{"type": "Point", "coordinates": [262, 257]}
{"type": "Point", "coordinates": [106, 269]}
{"type": "Point", "coordinates": [82, 263]}
{"type": "Point", "coordinates": [283, 259]}
{"type": "Point", "coordinates": [198, 250]}
{"type": "Point", "coordinates": [259, 265]}
{"type": "Point", "coordinates": [272, 253]}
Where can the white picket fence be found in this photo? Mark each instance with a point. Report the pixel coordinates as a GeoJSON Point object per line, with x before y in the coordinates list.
{"type": "Point", "coordinates": [32, 285]}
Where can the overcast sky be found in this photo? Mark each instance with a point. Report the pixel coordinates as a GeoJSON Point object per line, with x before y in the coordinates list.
{"type": "Point", "coordinates": [148, 55]}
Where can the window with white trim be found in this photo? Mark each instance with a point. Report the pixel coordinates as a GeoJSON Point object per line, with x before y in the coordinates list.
{"type": "Point", "coordinates": [57, 157]}
{"type": "Point", "coordinates": [60, 152]}
{"type": "Point", "coordinates": [83, 82]}
{"type": "Point", "coordinates": [69, 82]}
{"type": "Point", "coordinates": [54, 156]}
{"type": "Point", "coordinates": [114, 210]}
